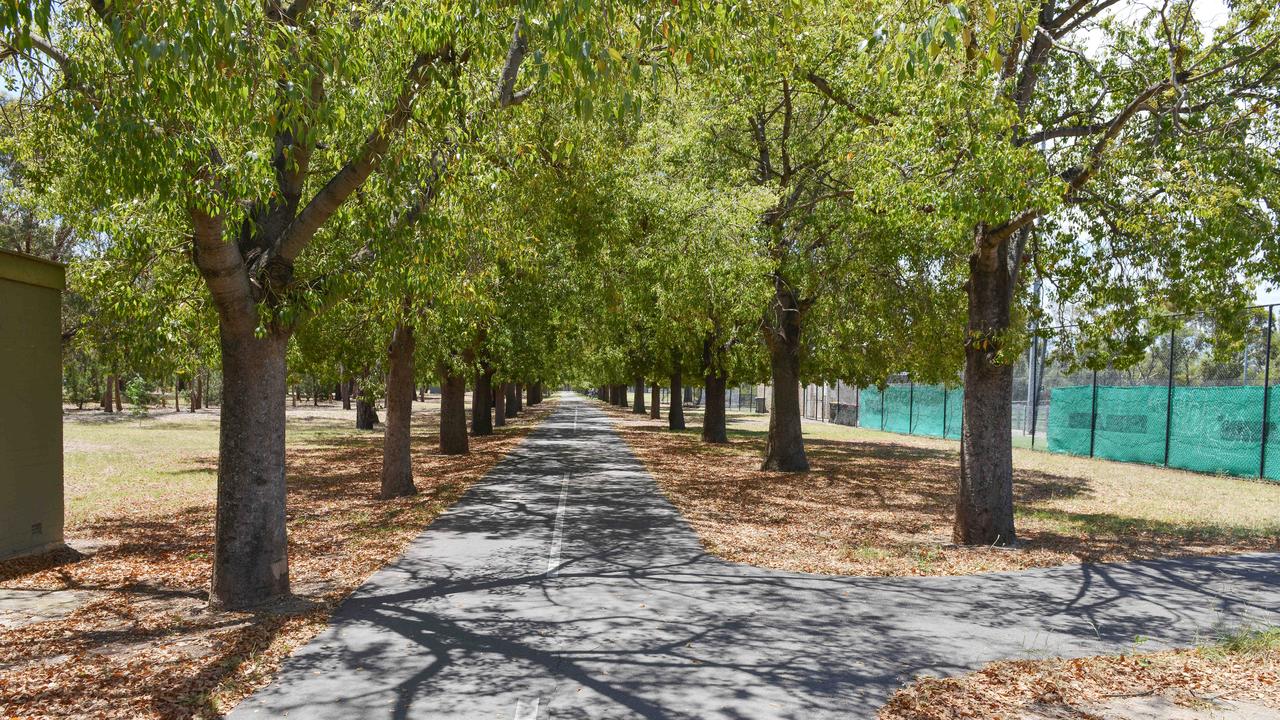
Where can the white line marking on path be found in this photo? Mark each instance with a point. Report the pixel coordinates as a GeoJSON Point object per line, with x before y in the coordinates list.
{"type": "Point", "coordinates": [557, 535]}
{"type": "Point", "coordinates": [525, 711]}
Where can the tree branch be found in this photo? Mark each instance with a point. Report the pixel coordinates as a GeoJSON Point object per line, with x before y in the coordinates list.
{"type": "Point", "coordinates": [353, 174]}
{"type": "Point", "coordinates": [506, 95]}
{"type": "Point", "coordinates": [1062, 132]}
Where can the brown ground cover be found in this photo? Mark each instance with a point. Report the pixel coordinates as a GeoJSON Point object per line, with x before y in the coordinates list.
{"type": "Point", "coordinates": [882, 504]}
{"type": "Point", "coordinates": [1244, 668]}
{"type": "Point", "coordinates": [143, 644]}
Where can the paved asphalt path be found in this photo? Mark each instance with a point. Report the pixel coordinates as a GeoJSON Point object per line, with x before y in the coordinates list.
{"type": "Point", "coordinates": [565, 586]}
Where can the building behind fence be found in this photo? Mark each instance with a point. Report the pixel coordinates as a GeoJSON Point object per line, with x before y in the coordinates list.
{"type": "Point", "coordinates": [1191, 403]}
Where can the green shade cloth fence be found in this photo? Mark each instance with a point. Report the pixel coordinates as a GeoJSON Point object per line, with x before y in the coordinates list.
{"type": "Point", "coordinates": [912, 409]}
{"type": "Point", "coordinates": [1214, 429]}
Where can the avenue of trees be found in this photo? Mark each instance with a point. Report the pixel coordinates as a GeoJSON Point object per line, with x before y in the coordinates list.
{"type": "Point", "coordinates": [359, 200]}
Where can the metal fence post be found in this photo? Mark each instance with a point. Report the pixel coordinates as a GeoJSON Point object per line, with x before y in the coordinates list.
{"type": "Point", "coordinates": [1093, 414]}
{"type": "Point", "coordinates": [1168, 415]}
{"type": "Point", "coordinates": [1266, 397]}
{"type": "Point", "coordinates": [1035, 399]}
{"type": "Point", "coordinates": [911, 407]}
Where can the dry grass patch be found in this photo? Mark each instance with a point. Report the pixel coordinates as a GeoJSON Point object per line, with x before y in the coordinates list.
{"type": "Point", "coordinates": [1243, 668]}
{"type": "Point", "coordinates": [882, 504]}
{"type": "Point", "coordinates": [144, 645]}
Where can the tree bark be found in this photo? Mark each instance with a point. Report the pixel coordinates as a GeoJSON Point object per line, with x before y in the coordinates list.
{"type": "Point", "coordinates": [784, 448]}
{"type": "Point", "coordinates": [177, 407]}
{"type": "Point", "coordinates": [366, 413]}
{"type": "Point", "coordinates": [531, 394]}
{"type": "Point", "coordinates": [482, 403]}
{"type": "Point", "coordinates": [346, 387]}
{"type": "Point", "coordinates": [397, 461]}
{"type": "Point", "coordinates": [537, 393]}
{"type": "Point", "coordinates": [453, 412]}
{"type": "Point", "coordinates": [655, 402]}
{"type": "Point", "coordinates": [250, 561]}
{"type": "Point", "coordinates": [513, 406]}
{"type": "Point", "coordinates": [637, 405]}
{"type": "Point", "coordinates": [115, 384]}
{"type": "Point", "coordinates": [500, 405]}
{"type": "Point", "coordinates": [108, 399]}
{"type": "Point", "coordinates": [519, 398]}
{"type": "Point", "coordinates": [713, 420]}
{"type": "Point", "coordinates": [622, 395]}
{"type": "Point", "coordinates": [984, 502]}
{"type": "Point", "coordinates": [675, 415]}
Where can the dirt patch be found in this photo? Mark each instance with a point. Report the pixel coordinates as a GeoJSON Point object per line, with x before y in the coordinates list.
{"type": "Point", "coordinates": [880, 507]}
{"type": "Point", "coordinates": [142, 643]}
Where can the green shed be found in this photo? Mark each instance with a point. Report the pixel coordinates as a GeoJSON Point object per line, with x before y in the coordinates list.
{"type": "Point", "coordinates": [31, 503]}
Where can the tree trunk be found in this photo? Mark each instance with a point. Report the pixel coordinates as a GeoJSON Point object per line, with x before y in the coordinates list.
{"type": "Point", "coordinates": [637, 406]}
{"type": "Point", "coordinates": [250, 559]}
{"type": "Point", "coordinates": [366, 413]}
{"type": "Point", "coordinates": [116, 386]}
{"type": "Point", "coordinates": [713, 425]}
{"type": "Point", "coordinates": [688, 395]}
{"type": "Point", "coordinates": [655, 402]}
{"type": "Point", "coordinates": [513, 407]}
{"type": "Point", "coordinates": [622, 395]}
{"type": "Point", "coordinates": [500, 405]}
{"type": "Point", "coordinates": [482, 403]}
{"type": "Point", "coordinates": [519, 398]}
{"type": "Point", "coordinates": [453, 412]}
{"type": "Point", "coordinates": [602, 393]}
{"type": "Point", "coordinates": [784, 449]}
{"type": "Point", "coordinates": [537, 393]}
{"type": "Point", "coordinates": [984, 502]}
{"type": "Point", "coordinates": [346, 386]}
{"type": "Point", "coordinates": [397, 462]}
{"type": "Point", "coordinates": [675, 415]}
{"type": "Point", "coordinates": [108, 399]}
{"type": "Point", "coordinates": [531, 395]}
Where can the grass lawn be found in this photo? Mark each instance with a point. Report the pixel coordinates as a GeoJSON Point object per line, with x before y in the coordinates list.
{"type": "Point", "coordinates": [1235, 677]}
{"type": "Point", "coordinates": [879, 503]}
{"type": "Point", "coordinates": [138, 641]}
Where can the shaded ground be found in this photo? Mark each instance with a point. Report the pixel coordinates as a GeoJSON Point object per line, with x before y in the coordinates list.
{"type": "Point", "coordinates": [140, 642]}
{"type": "Point", "coordinates": [1235, 679]}
{"type": "Point", "coordinates": [882, 504]}
{"type": "Point", "coordinates": [565, 585]}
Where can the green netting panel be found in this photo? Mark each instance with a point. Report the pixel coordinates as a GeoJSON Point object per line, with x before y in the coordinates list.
{"type": "Point", "coordinates": [897, 408]}
{"type": "Point", "coordinates": [1273, 437]}
{"type": "Point", "coordinates": [1217, 429]}
{"type": "Point", "coordinates": [1130, 423]}
{"type": "Point", "coordinates": [927, 411]}
{"type": "Point", "coordinates": [1070, 410]}
{"type": "Point", "coordinates": [869, 408]}
{"type": "Point", "coordinates": [955, 412]}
